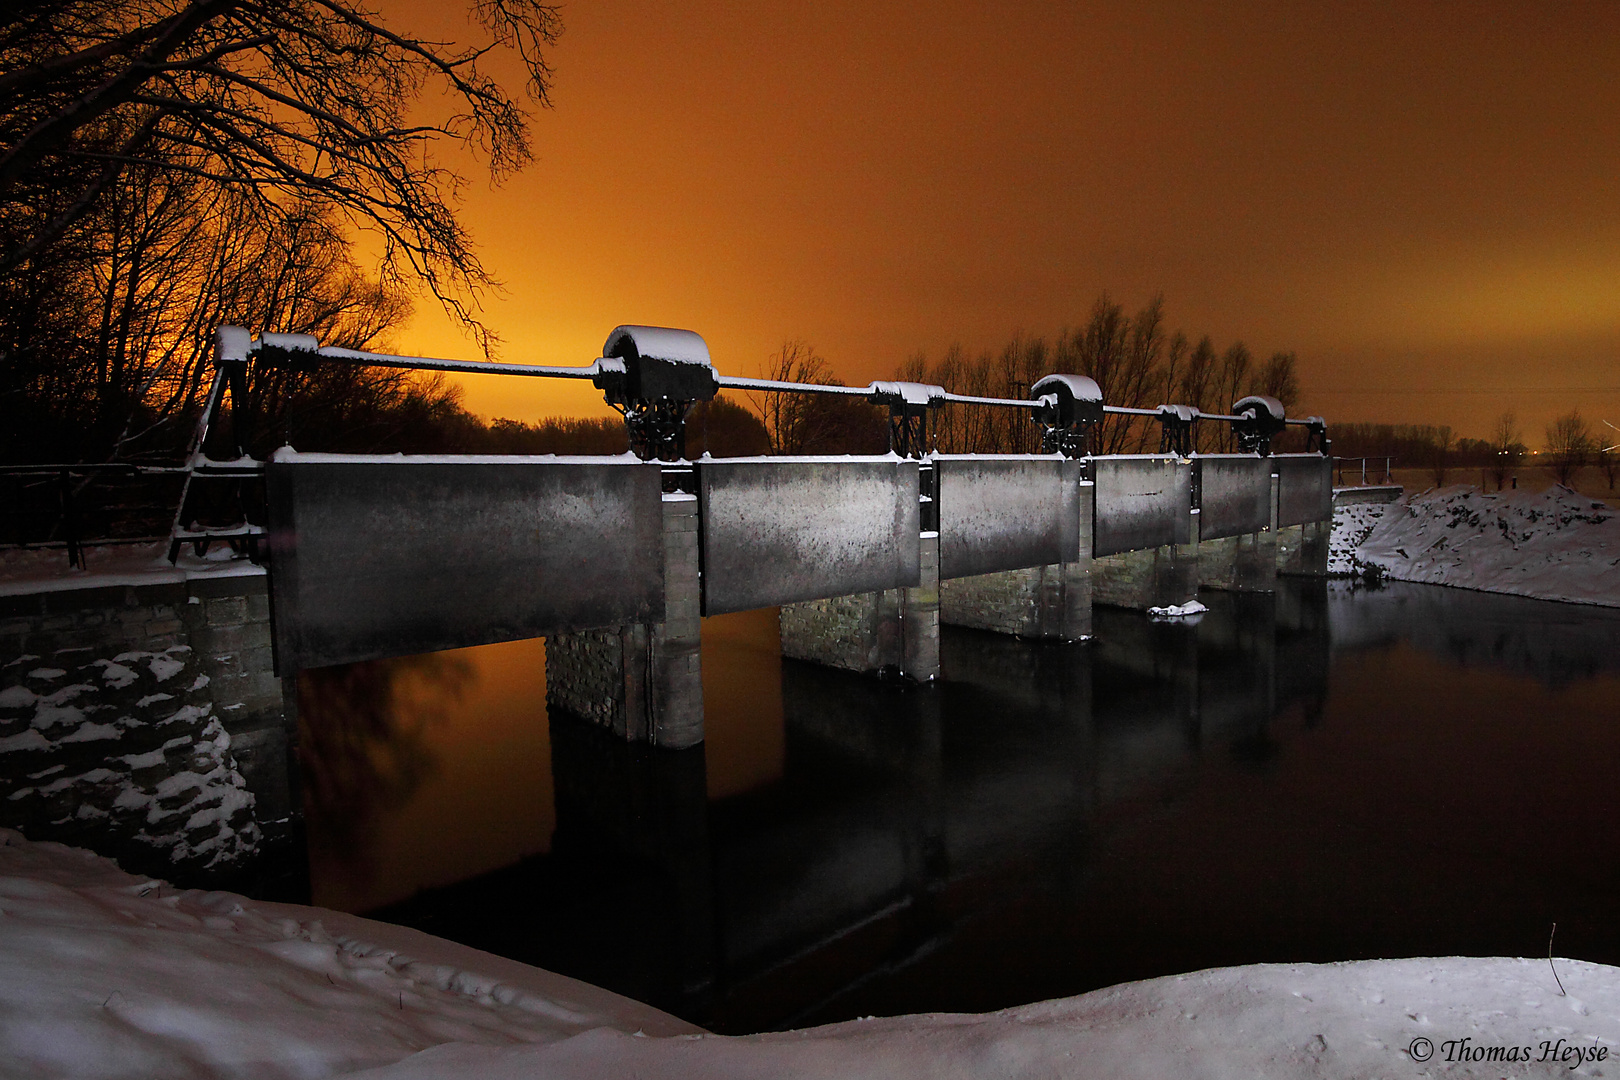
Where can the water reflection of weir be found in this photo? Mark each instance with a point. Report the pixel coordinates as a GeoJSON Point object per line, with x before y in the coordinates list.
{"type": "Point", "coordinates": [909, 826]}
{"type": "Point", "coordinates": [362, 745]}
{"type": "Point", "coordinates": [1553, 642]}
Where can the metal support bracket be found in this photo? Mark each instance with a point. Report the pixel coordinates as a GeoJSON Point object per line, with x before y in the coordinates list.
{"type": "Point", "coordinates": [1070, 413]}
{"type": "Point", "coordinates": [1259, 420]}
{"type": "Point", "coordinates": [1177, 430]}
{"type": "Point", "coordinates": [659, 374]}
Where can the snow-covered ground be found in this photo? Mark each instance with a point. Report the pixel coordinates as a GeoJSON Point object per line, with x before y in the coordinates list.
{"type": "Point", "coordinates": [1552, 544]}
{"type": "Point", "coordinates": [37, 570]}
{"type": "Point", "coordinates": [1352, 524]}
{"type": "Point", "coordinates": [103, 974]}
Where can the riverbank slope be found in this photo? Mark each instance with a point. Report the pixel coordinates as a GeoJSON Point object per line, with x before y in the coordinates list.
{"type": "Point", "coordinates": [1550, 545]}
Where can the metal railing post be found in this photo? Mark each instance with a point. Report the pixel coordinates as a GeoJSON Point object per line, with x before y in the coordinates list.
{"type": "Point", "coordinates": [70, 523]}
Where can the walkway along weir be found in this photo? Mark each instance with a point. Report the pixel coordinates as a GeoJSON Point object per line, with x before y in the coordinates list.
{"type": "Point", "coordinates": [615, 559]}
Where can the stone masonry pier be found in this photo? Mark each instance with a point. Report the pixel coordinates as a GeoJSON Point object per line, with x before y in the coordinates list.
{"type": "Point", "coordinates": [146, 717]}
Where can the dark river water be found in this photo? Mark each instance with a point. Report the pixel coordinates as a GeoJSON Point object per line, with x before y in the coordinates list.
{"type": "Point", "coordinates": [1319, 774]}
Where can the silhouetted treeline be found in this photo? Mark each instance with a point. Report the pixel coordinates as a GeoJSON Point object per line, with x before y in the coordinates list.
{"type": "Point", "coordinates": [1412, 445]}
{"type": "Point", "coordinates": [809, 423]}
{"type": "Point", "coordinates": [1132, 358]}
{"type": "Point", "coordinates": [720, 427]}
{"type": "Point", "coordinates": [1135, 363]}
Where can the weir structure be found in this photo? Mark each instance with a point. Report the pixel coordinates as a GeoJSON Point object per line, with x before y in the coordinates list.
{"type": "Point", "coordinates": [614, 560]}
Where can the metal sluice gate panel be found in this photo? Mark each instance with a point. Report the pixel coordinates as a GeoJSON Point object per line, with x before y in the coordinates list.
{"type": "Point", "coordinates": [780, 530]}
{"type": "Point", "coordinates": [1234, 495]}
{"type": "Point", "coordinates": [1143, 501]}
{"type": "Point", "coordinates": [1304, 488]}
{"type": "Point", "coordinates": [375, 557]}
{"type": "Point", "coordinates": [1006, 513]}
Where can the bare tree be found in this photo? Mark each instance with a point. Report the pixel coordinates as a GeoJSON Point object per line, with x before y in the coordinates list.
{"type": "Point", "coordinates": [1609, 458]}
{"type": "Point", "coordinates": [286, 102]}
{"type": "Point", "coordinates": [1506, 449]}
{"type": "Point", "coordinates": [1279, 378]}
{"type": "Point", "coordinates": [1570, 444]}
{"type": "Point", "coordinates": [1024, 362]}
{"type": "Point", "coordinates": [1444, 440]}
{"type": "Point", "coordinates": [790, 418]}
{"type": "Point", "coordinates": [1237, 365]}
{"type": "Point", "coordinates": [1196, 387]}
{"type": "Point", "coordinates": [1123, 355]}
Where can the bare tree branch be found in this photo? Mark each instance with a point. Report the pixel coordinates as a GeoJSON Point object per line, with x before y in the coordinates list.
{"type": "Point", "coordinates": [292, 99]}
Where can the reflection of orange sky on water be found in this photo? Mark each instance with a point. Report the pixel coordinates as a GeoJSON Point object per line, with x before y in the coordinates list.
{"type": "Point", "coordinates": [742, 701]}
{"type": "Point", "coordinates": [1419, 197]}
{"type": "Point", "coordinates": [488, 800]}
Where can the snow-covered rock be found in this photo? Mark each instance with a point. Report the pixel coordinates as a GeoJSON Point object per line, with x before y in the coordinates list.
{"type": "Point", "coordinates": [1552, 544]}
{"type": "Point", "coordinates": [105, 975]}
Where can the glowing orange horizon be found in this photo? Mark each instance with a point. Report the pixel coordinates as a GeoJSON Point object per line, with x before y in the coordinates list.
{"type": "Point", "coordinates": [1417, 201]}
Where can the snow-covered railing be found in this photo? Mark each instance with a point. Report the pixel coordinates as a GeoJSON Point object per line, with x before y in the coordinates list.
{"type": "Point", "coordinates": [56, 506]}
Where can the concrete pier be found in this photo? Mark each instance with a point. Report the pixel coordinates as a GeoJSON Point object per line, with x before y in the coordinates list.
{"type": "Point", "coordinates": [892, 631]}
{"type": "Point", "coordinates": [1156, 577]}
{"type": "Point", "coordinates": [1302, 550]}
{"type": "Point", "coordinates": [642, 681]}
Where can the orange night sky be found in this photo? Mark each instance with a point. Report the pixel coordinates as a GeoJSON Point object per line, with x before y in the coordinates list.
{"type": "Point", "coordinates": [1422, 198]}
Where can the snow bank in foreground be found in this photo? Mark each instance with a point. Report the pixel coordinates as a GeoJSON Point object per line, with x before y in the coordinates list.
{"type": "Point", "coordinates": [1553, 544]}
{"type": "Point", "coordinates": [104, 974]}
{"type": "Point", "coordinates": [107, 975]}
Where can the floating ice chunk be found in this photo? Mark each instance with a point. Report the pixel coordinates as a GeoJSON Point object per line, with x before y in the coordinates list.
{"type": "Point", "coordinates": [1178, 611]}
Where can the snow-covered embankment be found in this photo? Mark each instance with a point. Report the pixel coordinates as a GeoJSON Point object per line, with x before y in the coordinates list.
{"type": "Point", "coordinates": [1553, 544]}
{"type": "Point", "coordinates": [103, 974]}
